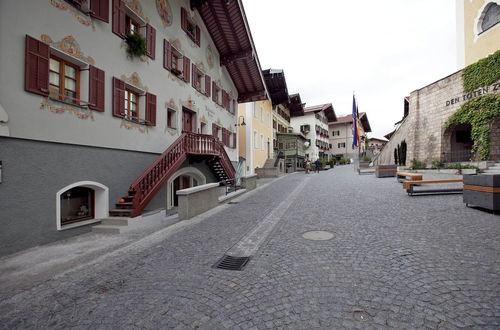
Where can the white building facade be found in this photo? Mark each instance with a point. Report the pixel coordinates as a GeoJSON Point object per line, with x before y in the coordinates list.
{"type": "Point", "coordinates": [313, 124]}
{"type": "Point", "coordinates": [81, 116]}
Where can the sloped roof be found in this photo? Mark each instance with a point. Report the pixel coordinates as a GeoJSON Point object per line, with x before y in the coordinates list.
{"type": "Point", "coordinates": [327, 108]}
{"type": "Point", "coordinates": [228, 27]}
{"type": "Point", "coordinates": [296, 106]}
{"type": "Point", "coordinates": [363, 117]}
{"type": "Point", "coordinates": [276, 86]}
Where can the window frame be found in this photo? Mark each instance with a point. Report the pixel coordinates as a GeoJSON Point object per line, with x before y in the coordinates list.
{"type": "Point", "coordinates": [129, 91]}
{"type": "Point", "coordinates": [62, 81]}
{"type": "Point", "coordinates": [171, 118]}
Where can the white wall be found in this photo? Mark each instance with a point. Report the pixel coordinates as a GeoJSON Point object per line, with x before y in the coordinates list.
{"type": "Point", "coordinates": [28, 120]}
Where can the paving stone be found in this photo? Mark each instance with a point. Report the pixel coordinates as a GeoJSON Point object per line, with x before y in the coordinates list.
{"type": "Point", "coordinates": [407, 262]}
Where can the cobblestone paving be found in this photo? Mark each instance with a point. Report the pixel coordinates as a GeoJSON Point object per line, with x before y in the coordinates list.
{"type": "Point", "coordinates": [394, 262]}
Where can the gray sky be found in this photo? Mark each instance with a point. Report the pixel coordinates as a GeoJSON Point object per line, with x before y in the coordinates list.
{"type": "Point", "coordinates": [381, 49]}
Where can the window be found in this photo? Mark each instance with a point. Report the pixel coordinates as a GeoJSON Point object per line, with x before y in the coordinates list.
{"type": "Point", "coordinates": [254, 111]}
{"type": "Point", "coordinates": [261, 115]}
{"type": "Point", "coordinates": [98, 9]}
{"type": "Point", "coordinates": [125, 21]}
{"type": "Point", "coordinates": [216, 131]}
{"type": "Point", "coordinates": [255, 145]}
{"type": "Point", "coordinates": [131, 105]}
{"type": "Point", "coordinates": [48, 74]}
{"type": "Point", "coordinates": [203, 128]}
{"type": "Point", "coordinates": [128, 102]}
{"type": "Point", "coordinates": [275, 125]}
{"type": "Point", "coordinates": [341, 145]}
{"type": "Point", "coordinates": [175, 62]}
{"type": "Point", "coordinates": [489, 17]}
{"type": "Point", "coordinates": [188, 25]}
{"type": "Point", "coordinates": [77, 204]}
{"type": "Point", "coordinates": [64, 80]}
{"type": "Point", "coordinates": [171, 119]}
{"type": "Point", "coordinates": [132, 26]}
{"type": "Point", "coordinates": [215, 93]}
{"type": "Point", "coordinates": [198, 78]}
{"type": "Point", "coordinates": [262, 142]}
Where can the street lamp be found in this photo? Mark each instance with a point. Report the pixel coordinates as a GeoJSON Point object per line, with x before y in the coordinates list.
{"type": "Point", "coordinates": [242, 123]}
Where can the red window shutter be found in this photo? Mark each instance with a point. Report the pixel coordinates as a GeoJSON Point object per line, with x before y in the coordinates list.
{"type": "Point", "coordinates": [150, 41]}
{"type": "Point", "coordinates": [184, 19]}
{"type": "Point", "coordinates": [96, 89]}
{"type": "Point", "coordinates": [224, 136]}
{"type": "Point", "coordinates": [195, 76]}
{"type": "Point", "coordinates": [234, 140]}
{"type": "Point", "coordinates": [99, 9]}
{"type": "Point", "coordinates": [214, 92]}
{"type": "Point", "coordinates": [118, 24]}
{"type": "Point", "coordinates": [36, 71]}
{"type": "Point", "coordinates": [214, 130]}
{"type": "Point", "coordinates": [167, 55]}
{"type": "Point", "coordinates": [197, 35]}
{"type": "Point", "coordinates": [118, 98]}
{"type": "Point", "coordinates": [186, 63]}
{"type": "Point", "coordinates": [151, 109]}
{"type": "Point", "coordinates": [207, 85]}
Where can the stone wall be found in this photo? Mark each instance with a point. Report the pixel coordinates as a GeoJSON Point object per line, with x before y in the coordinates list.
{"type": "Point", "coordinates": [430, 108]}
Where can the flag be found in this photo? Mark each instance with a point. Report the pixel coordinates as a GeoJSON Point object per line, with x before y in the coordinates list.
{"type": "Point", "coordinates": [355, 126]}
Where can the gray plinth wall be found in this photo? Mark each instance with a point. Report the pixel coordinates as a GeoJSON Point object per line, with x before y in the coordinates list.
{"type": "Point", "coordinates": [487, 199]}
{"type": "Point", "coordinates": [33, 173]}
{"type": "Point", "coordinates": [385, 171]}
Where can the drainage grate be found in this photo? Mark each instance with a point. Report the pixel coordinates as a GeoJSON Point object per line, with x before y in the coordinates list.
{"type": "Point", "coordinates": [231, 263]}
{"type": "Point", "coordinates": [233, 202]}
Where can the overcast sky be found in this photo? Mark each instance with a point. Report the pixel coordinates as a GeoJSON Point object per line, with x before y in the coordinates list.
{"type": "Point", "coordinates": [381, 49]}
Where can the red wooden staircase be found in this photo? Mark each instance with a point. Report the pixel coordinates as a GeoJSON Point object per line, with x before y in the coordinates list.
{"type": "Point", "coordinates": [145, 187]}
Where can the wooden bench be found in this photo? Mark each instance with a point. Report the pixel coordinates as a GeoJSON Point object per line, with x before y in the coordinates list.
{"type": "Point", "coordinates": [366, 170]}
{"type": "Point", "coordinates": [411, 176]}
{"type": "Point", "coordinates": [408, 186]}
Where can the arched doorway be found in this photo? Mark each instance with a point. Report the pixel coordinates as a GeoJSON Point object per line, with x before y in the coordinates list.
{"type": "Point", "coordinates": [184, 178]}
{"type": "Point", "coordinates": [458, 143]}
{"type": "Point", "coordinates": [81, 203]}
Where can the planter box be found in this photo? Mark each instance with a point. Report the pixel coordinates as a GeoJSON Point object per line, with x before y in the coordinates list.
{"type": "Point", "coordinates": [363, 164]}
{"type": "Point", "coordinates": [482, 190]}
{"type": "Point", "coordinates": [385, 171]}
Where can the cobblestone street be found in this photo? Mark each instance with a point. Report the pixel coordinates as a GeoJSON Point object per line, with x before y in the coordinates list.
{"type": "Point", "coordinates": [394, 261]}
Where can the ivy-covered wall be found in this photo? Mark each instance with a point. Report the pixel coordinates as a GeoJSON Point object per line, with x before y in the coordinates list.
{"type": "Point", "coordinates": [482, 111]}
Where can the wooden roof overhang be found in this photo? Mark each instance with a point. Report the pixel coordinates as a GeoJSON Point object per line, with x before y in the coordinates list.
{"type": "Point", "coordinates": [227, 25]}
{"type": "Point", "coordinates": [276, 86]}
{"type": "Point", "coordinates": [296, 106]}
{"type": "Point", "coordinates": [327, 109]}
{"type": "Point", "coordinates": [365, 122]}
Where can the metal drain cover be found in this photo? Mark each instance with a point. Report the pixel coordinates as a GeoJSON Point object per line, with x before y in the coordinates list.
{"type": "Point", "coordinates": [317, 235]}
{"type": "Point", "coordinates": [231, 263]}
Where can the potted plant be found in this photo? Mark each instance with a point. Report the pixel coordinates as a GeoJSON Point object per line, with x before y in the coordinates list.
{"type": "Point", "coordinates": [136, 45]}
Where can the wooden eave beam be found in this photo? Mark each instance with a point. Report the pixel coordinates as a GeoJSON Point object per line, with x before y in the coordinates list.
{"type": "Point", "coordinates": [246, 54]}
{"type": "Point", "coordinates": [250, 96]}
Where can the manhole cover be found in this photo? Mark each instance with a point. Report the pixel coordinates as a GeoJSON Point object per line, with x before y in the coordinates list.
{"type": "Point", "coordinates": [317, 235]}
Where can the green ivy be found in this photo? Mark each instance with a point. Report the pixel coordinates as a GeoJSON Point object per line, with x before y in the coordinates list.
{"type": "Point", "coordinates": [482, 73]}
{"type": "Point", "coordinates": [479, 113]}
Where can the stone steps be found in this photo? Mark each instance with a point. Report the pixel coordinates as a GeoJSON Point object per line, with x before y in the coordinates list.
{"type": "Point", "coordinates": [111, 225]}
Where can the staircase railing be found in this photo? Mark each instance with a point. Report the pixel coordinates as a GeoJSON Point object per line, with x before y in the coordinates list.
{"type": "Point", "coordinates": [147, 185]}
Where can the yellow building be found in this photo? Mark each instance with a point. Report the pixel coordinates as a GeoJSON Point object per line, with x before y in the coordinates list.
{"type": "Point", "coordinates": [478, 31]}
{"type": "Point", "coordinates": [255, 142]}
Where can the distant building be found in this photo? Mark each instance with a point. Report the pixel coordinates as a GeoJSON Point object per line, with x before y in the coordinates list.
{"type": "Point", "coordinates": [478, 31]}
{"type": "Point", "coordinates": [256, 136]}
{"type": "Point", "coordinates": [375, 145]}
{"type": "Point", "coordinates": [313, 124]}
{"type": "Point", "coordinates": [341, 137]}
